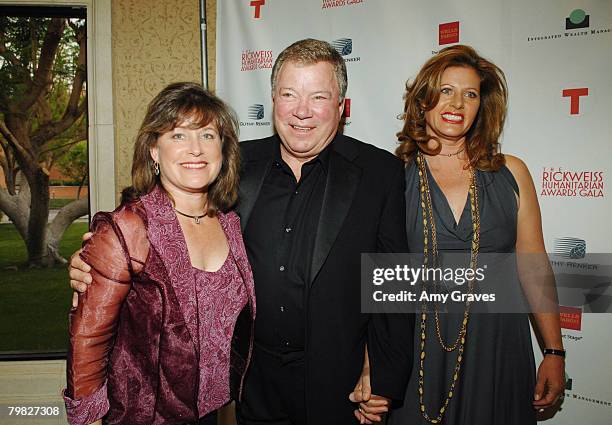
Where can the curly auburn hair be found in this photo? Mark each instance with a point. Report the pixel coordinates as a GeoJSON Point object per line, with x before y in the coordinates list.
{"type": "Point", "coordinates": [422, 94]}
{"type": "Point", "coordinates": [177, 103]}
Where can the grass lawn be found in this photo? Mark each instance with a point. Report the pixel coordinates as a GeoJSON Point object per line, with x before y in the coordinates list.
{"type": "Point", "coordinates": [57, 203]}
{"type": "Point", "coordinates": [34, 303]}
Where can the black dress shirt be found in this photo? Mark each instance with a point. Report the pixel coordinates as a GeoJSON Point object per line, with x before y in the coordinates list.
{"type": "Point", "coordinates": [279, 240]}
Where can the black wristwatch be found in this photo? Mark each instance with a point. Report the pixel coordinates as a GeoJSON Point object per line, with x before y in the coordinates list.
{"type": "Point", "coordinates": [554, 352]}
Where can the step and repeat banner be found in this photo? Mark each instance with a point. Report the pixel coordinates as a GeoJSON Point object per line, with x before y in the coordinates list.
{"type": "Point", "coordinates": [557, 56]}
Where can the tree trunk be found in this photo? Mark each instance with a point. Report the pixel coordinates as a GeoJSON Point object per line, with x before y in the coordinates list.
{"type": "Point", "coordinates": [38, 255]}
{"type": "Point", "coordinates": [17, 207]}
{"type": "Point", "coordinates": [81, 183]}
{"type": "Point", "coordinates": [60, 223]}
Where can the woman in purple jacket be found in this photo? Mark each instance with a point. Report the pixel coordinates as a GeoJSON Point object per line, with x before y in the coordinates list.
{"type": "Point", "coordinates": [155, 339]}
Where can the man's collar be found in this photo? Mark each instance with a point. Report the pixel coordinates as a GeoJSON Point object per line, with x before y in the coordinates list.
{"type": "Point", "coordinates": [322, 157]}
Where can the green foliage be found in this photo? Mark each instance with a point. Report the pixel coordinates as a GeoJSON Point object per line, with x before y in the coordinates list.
{"type": "Point", "coordinates": [61, 182]}
{"type": "Point", "coordinates": [74, 163]}
{"type": "Point", "coordinates": [23, 38]}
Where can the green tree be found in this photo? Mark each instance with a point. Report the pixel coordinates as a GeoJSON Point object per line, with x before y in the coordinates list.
{"type": "Point", "coordinates": [73, 164]}
{"type": "Point", "coordinates": [42, 110]}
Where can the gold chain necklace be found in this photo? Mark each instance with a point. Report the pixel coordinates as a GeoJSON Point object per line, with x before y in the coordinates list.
{"type": "Point", "coordinates": [459, 344]}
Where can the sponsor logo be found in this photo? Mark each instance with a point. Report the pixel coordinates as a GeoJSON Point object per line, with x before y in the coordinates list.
{"type": "Point", "coordinates": [575, 338]}
{"type": "Point", "coordinates": [575, 95]}
{"type": "Point", "coordinates": [569, 394]}
{"type": "Point", "coordinates": [257, 5]}
{"type": "Point", "coordinates": [329, 4]}
{"type": "Point", "coordinates": [559, 182]}
{"type": "Point", "coordinates": [577, 19]}
{"type": "Point", "coordinates": [256, 114]}
{"type": "Point", "coordinates": [582, 285]}
{"type": "Point", "coordinates": [347, 108]}
{"type": "Point", "coordinates": [253, 60]}
{"type": "Point", "coordinates": [344, 46]}
{"type": "Point", "coordinates": [573, 267]}
{"type": "Point", "coordinates": [573, 248]}
{"type": "Point", "coordinates": [448, 33]}
{"type": "Point", "coordinates": [588, 399]}
{"type": "Point", "coordinates": [571, 318]}
{"type": "Point", "coordinates": [345, 121]}
{"type": "Point", "coordinates": [577, 24]}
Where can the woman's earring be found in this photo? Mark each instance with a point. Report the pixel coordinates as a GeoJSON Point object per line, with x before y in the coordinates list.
{"type": "Point", "coordinates": [156, 168]}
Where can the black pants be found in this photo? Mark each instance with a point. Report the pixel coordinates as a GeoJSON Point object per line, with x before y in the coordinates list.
{"type": "Point", "coordinates": [273, 391]}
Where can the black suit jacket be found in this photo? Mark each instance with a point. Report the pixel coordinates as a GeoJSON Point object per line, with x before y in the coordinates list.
{"type": "Point", "coordinates": [363, 210]}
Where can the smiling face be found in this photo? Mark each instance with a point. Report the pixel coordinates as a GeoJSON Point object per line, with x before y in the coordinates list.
{"type": "Point", "coordinates": [457, 107]}
{"type": "Point", "coordinates": [189, 158]}
{"type": "Point", "coordinates": [307, 109]}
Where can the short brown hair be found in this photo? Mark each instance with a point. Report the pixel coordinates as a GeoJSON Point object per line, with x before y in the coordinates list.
{"type": "Point", "coordinates": [482, 139]}
{"type": "Point", "coordinates": [175, 104]}
{"type": "Point", "coordinates": [309, 52]}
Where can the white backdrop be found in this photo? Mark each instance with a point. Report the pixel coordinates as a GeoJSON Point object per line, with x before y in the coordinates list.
{"type": "Point", "coordinates": [544, 47]}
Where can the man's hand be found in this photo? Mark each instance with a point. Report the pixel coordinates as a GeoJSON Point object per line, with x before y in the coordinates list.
{"type": "Point", "coordinates": [551, 382]}
{"type": "Point", "coordinates": [371, 406]}
{"type": "Point", "coordinates": [79, 273]}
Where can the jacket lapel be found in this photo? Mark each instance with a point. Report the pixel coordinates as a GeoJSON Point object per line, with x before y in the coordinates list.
{"type": "Point", "coordinates": [251, 180]}
{"type": "Point", "coordinates": [342, 181]}
{"type": "Point", "coordinates": [166, 237]}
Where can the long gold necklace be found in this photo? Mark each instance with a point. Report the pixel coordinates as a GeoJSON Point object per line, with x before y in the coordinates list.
{"type": "Point", "coordinates": [459, 344]}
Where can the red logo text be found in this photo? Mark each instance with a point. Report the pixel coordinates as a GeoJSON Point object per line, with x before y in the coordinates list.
{"type": "Point", "coordinates": [574, 95]}
{"type": "Point", "coordinates": [571, 318]}
{"type": "Point", "coordinates": [257, 5]}
{"type": "Point", "coordinates": [347, 108]}
{"type": "Point", "coordinates": [448, 33]}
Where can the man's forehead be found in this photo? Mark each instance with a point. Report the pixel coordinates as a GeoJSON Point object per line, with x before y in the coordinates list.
{"type": "Point", "coordinates": [327, 72]}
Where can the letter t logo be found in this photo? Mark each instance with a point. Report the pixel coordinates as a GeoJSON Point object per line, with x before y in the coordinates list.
{"type": "Point", "coordinates": [257, 5]}
{"type": "Point", "coordinates": [574, 95]}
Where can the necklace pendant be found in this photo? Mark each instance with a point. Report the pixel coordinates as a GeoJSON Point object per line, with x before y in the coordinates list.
{"type": "Point", "coordinates": [197, 219]}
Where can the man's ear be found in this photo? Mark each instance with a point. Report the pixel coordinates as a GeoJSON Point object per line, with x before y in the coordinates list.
{"type": "Point", "coordinates": [341, 107]}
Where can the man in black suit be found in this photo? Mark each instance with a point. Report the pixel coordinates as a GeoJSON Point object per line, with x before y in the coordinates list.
{"type": "Point", "coordinates": [311, 201]}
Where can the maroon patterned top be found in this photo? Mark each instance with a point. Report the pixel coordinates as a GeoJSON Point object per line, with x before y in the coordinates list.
{"type": "Point", "coordinates": [173, 323]}
{"type": "Point", "coordinates": [220, 297]}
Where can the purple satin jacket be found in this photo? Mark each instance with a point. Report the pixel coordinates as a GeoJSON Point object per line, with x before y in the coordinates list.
{"type": "Point", "coordinates": [139, 352]}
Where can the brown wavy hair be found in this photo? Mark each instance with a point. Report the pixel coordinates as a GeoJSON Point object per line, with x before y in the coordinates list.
{"type": "Point", "coordinates": [174, 105]}
{"type": "Point", "coordinates": [422, 94]}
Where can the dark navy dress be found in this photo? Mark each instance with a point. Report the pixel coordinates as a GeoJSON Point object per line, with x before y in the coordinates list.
{"type": "Point", "coordinates": [497, 378]}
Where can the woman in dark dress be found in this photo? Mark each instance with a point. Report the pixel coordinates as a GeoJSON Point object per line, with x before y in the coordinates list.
{"type": "Point", "coordinates": [463, 195]}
